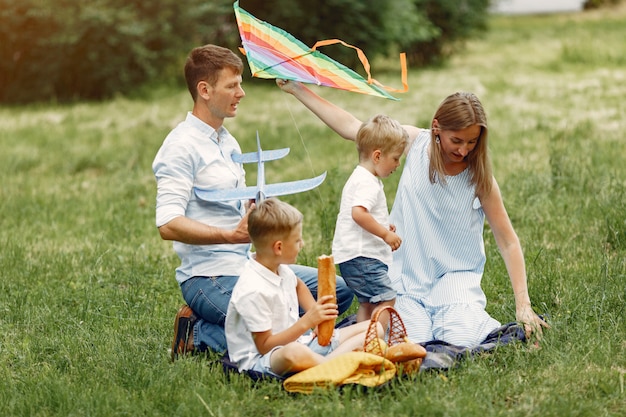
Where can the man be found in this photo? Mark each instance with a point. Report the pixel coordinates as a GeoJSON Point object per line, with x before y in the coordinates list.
{"type": "Point", "coordinates": [210, 238]}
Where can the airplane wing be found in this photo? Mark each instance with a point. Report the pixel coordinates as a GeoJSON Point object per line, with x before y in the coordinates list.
{"type": "Point", "coordinates": [293, 187]}
{"type": "Point", "coordinates": [246, 193]}
{"type": "Point", "coordinates": [250, 157]}
{"type": "Point", "coordinates": [261, 190]}
{"type": "Point", "coordinates": [270, 190]}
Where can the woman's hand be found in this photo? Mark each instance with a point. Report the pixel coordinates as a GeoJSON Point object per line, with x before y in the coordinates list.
{"type": "Point", "coordinates": [533, 324]}
{"type": "Point", "coordinates": [287, 86]}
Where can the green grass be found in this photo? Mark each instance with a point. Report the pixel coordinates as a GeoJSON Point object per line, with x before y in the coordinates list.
{"type": "Point", "coordinates": [88, 297]}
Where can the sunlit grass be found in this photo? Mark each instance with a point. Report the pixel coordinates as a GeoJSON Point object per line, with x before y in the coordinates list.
{"type": "Point", "coordinates": [88, 297]}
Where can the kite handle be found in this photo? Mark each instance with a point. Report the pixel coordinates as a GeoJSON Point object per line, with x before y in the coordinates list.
{"type": "Point", "coordinates": [366, 64]}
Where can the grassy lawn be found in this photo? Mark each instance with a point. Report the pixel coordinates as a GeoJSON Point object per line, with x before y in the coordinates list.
{"type": "Point", "coordinates": [88, 295]}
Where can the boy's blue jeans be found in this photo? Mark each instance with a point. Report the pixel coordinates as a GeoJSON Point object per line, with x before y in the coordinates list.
{"type": "Point", "coordinates": [208, 297]}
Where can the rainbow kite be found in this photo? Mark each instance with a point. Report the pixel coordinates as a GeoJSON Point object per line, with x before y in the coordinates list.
{"type": "Point", "coordinates": [274, 53]}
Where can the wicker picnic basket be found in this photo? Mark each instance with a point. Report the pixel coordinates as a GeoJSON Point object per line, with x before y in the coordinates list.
{"type": "Point", "coordinates": [395, 335]}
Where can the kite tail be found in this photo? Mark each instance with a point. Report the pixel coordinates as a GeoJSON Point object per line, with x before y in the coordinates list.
{"type": "Point", "coordinates": [366, 64]}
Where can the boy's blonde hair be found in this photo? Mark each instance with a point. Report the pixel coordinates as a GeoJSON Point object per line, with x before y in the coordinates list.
{"type": "Point", "coordinates": [272, 220]}
{"type": "Point", "coordinates": [380, 132]}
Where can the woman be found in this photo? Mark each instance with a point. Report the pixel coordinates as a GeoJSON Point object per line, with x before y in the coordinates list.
{"type": "Point", "coordinates": [444, 195]}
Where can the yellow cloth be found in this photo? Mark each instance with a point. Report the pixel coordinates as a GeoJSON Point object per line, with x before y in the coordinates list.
{"type": "Point", "coordinates": [349, 368]}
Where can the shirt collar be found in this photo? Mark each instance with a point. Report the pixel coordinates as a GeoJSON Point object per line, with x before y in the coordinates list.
{"type": "Point", "coordinates": [207, 130]}
{"type": "Point", "coordinates": [265, 273]}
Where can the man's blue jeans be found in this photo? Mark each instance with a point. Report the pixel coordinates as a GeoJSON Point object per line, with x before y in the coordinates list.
{"type": "Point", "coordinates": [208, 297]}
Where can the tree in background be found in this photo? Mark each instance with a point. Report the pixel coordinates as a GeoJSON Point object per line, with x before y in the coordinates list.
{"type": "Point", "coordinates": [596, 4]}
{"type": "Point", "coordinates": [375, 26]}
{"type": "Point", "coordinates": [451, 23]}
{"type": "Point", "coordinates": [429, 31]}
{"type": "Point", "coordinates": [74, 49]}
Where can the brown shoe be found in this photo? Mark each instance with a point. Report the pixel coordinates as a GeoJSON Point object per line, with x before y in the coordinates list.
{"type": "Point", "coordinates": [183, 332]}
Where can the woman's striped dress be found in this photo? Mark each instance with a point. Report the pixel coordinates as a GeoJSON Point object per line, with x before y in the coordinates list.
{"type": "Point", "coordinates": [438, 268]}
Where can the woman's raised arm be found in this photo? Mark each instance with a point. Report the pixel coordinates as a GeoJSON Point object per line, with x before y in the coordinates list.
{"type": "Point", "coordinates": [344, 123]}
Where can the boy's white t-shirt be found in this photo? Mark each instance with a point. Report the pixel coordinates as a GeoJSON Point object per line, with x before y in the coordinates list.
{"type": "Point", "coordinates": [261, 301]}
{"type": "Point", "coordinates": [350, 241]}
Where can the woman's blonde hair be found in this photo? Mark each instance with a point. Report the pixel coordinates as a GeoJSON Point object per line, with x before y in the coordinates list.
{"type": "Point", "coordinates": [380, 132]}
{"type": "Point", "coordinates": [459, 111]}
{"type": "Point", "coordinates": [272, 220]}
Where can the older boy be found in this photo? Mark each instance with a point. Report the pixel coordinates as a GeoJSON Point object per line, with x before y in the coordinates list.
{"type": "Point", "coordinates": [263, 330]}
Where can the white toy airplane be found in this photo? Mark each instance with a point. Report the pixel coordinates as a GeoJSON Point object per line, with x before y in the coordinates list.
{"type": "Point", "coordinates": [261, 191]}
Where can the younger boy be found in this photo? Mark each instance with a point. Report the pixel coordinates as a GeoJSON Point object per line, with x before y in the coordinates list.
{"type": "Point", "coordinates": [264, 332]}
{"type": "Point", "coordinates": [364, 239]}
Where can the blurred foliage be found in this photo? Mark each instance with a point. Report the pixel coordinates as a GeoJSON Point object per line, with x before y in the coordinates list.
{"type": "Point", "coordinates": [596, 4]}
{"type": "Point", "coordinates": [73, 49]}
{"type": "Point", "coordinates": [375, 26]}
{"type": "Point", "coordinates": [450, 23]}
{"type": "Point", "coordinates": [64, 50]}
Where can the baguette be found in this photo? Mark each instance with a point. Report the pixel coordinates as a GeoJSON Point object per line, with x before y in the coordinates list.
{"type": "Point", "coordinates": [405, 351]}
{"type": "Point", "coordinates": [326, 285]}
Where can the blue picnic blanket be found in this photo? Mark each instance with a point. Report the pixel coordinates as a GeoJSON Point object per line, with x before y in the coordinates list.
{"type": "Point", "coordinates": [440, 355]}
